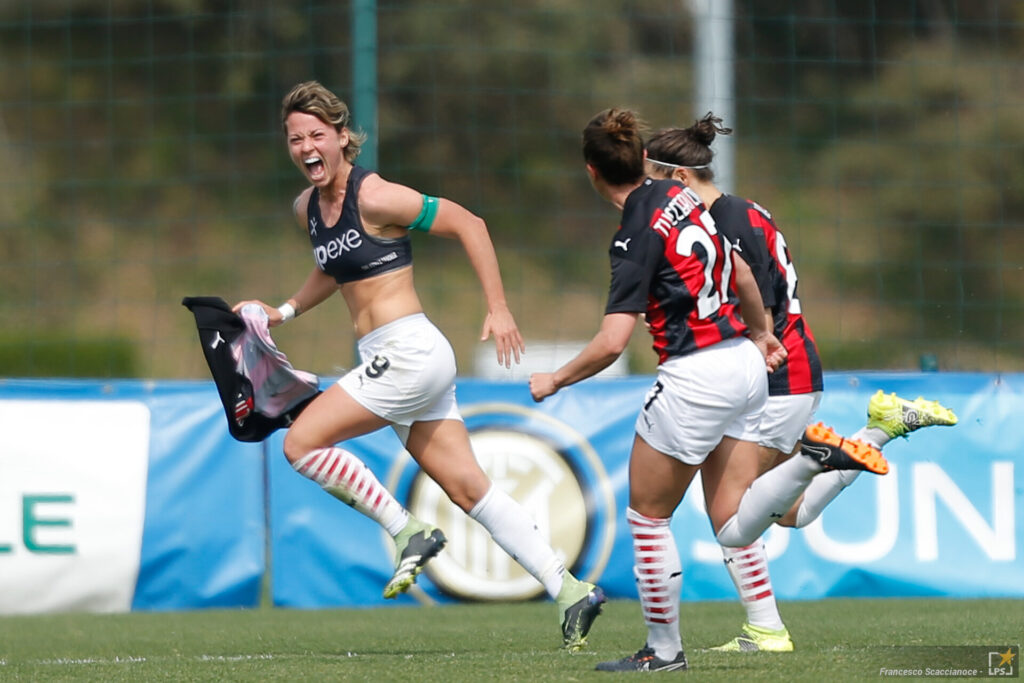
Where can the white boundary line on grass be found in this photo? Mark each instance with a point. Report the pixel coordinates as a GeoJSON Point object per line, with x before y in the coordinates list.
{"type": "Point", "coordinates": [65, 661]}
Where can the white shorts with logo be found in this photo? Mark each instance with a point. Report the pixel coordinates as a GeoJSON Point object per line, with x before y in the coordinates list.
{"type": "Point", "coordinates": [406, 374]}
{"type": "Point", "coordinates": [698, 398]}
{"type": "Point", "coordinates": [785, 419]}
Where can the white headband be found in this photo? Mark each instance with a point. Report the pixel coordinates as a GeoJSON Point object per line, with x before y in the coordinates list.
{"type": "Point", "coordinates": [665, 163]}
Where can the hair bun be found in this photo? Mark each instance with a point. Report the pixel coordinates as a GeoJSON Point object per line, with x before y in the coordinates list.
{"type": "Point", "coordinates": [705, 130]}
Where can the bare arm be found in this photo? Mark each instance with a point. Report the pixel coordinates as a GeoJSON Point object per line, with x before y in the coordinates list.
{"type": "Point", "coordinates": [457, 222]}
{"type": "Point", "coordinates": [753, 312]}
{"type": "Point", "coordinates": [606, 346]}
{"type": "Point", "coordinates": [397, 205]}
{"type": "Point", "coordinates": [317, 287]}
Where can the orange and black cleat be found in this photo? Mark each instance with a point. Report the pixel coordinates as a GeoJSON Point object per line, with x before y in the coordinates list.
{"type": "Point", "coordinates": [833, 452]}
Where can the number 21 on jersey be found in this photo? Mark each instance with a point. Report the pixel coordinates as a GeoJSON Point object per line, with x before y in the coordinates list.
{"type": "Point", "coordinates": [712, 294]}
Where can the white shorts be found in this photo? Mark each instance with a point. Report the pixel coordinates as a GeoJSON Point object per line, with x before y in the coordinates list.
{"type": "Point", "coordinates": [701, 397]}
{"type": "Point", "coordinates": [406, 374]}
{"type": "Point", "coordinates": [785, 419]}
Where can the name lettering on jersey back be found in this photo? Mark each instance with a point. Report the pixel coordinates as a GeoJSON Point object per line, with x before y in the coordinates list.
{"type": "Point", "coordinates": [763, 210]}
{"type": "Point", "coordinates": [677, 209]}
{"type": "Point", "coordinates": [349, 241]}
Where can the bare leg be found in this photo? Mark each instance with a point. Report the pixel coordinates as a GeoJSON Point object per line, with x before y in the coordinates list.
{"type": "Point", "coordinates": [442, 448]}
{"type": "Point", "coordinates": [727, 474]}
{"type": "Point", "coordinates": [331, 418]}
{"type": "Point", "coordinates": [657, 482]}
{"type": "Point", "coordinates": [309, 446]}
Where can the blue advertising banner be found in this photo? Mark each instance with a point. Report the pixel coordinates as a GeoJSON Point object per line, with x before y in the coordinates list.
{"type": "Point", "coordinates": [132, 495]}
{"type": "Point", "coordinates": [204, 544]}
{"type": "Point", "coordinates": [944, 521]}
{"type": "Point", "coordinates": [324, 553]}
{"type": "Point", "coordinates": [141, 499]}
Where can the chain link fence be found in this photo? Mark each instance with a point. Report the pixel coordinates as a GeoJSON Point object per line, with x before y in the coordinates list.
{"type": "Point", "coordinates": [141, 160]}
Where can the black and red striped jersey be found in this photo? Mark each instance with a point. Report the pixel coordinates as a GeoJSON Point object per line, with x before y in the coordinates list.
{"type": "Point", "coordinates": [670, 263]}
{"type": "Point", "coordinates": [752, 232]}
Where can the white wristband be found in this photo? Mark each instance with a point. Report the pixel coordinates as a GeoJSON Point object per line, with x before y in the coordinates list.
{"type": "Point", "coordinates": [287, 311]}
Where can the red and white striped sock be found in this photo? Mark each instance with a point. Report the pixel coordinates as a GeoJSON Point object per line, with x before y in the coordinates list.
{"type": "Point", "coordinates": [748, 567]}
{"type": "Point", "coordinates": [659, 578]}
{"type": "Point", "coordinates": [348, 479]}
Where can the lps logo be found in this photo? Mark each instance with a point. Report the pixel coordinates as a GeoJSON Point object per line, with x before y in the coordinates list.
{"type": "Point", "coordinates": [1002, 663]}
{"type": "Point", "coordinates": [553, 472]}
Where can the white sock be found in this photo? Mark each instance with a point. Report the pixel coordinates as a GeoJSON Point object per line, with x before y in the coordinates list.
{"type": "Point", "coordinates": [827, 485]}
{"type": "Point", "coordinates": [345, 477]}
{"type": "Point", "coordinates": [659, 580]}
{"type": "Point", "coordinates": [514, 530]}
{"type": "Point", "coordinates": [767, 500]}
{"type": "Point", "coordinates": [748, 568]}
{"type": "Point", "coordinates": [822, 491]}
{"type": "Point", "coordinates": [874, 436]}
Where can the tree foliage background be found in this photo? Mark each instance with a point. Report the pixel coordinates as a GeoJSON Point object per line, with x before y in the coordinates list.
{"type": "Point", "coordinates": [141, 160]}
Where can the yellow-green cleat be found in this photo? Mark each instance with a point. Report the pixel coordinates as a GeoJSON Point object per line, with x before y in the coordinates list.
{"type": "Point", "coordinates": [757, 639]}
{"type": "Point", "coordinates": [415, 545]}
{"type": "Point", "coordinates": [898, 417]}
{"type": "Point", "coordinates": [579, 604]}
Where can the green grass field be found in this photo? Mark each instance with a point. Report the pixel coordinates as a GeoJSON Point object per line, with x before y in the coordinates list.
{"type": "Point", "coordinates": [836, 640]}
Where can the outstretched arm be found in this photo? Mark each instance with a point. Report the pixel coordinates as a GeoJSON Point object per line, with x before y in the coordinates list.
{"type": "Point", "coordinates": [606, 346]}
{"type": "Point", "coordinates": [457, 222]}
{"type": "Point", "coordinates": [388, 205]}
{"type": "Point", "coordinates": [317, 287]}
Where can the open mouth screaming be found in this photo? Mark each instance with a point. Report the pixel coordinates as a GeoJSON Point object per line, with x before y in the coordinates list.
{"type": "Point", "coordinates": [315, 167]}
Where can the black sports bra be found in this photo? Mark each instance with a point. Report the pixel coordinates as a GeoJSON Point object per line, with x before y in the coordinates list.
{"type": "Point", "coordinates": [344, 250]}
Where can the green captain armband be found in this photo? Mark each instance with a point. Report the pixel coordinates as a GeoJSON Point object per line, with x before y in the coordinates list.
{"type": "Point", "coordinates": [427, 214]}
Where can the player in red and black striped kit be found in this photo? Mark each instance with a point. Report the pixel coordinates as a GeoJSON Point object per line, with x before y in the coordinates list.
{"type": "Point", "coordinates": [714, 343]}
{"type": "Point", "coordinates": [795, 388]}
{"type": "Point", "coordinates": [664, 261]}
{"type": "Point", "coordinates": [801, 372]}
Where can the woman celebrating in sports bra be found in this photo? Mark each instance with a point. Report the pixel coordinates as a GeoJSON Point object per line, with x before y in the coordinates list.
{"type": "Point", "coordinates": [358, 224]}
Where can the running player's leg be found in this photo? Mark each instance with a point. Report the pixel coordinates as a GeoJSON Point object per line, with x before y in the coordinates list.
{"type": "Point", "coordinates": [763, 629]}
{"type": "Point", "coordinates": [333, 417]}
{"type": "Point", "coordinates": [781, 426]}
{"type": "Point", "coordinates": [889, 416]}
{"type": "Point", "coordinates": [772, 494]}
{"type": "Point", "coordinates": [657, 485]}
{"type": "Point", "coordinates": [443, 450]}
